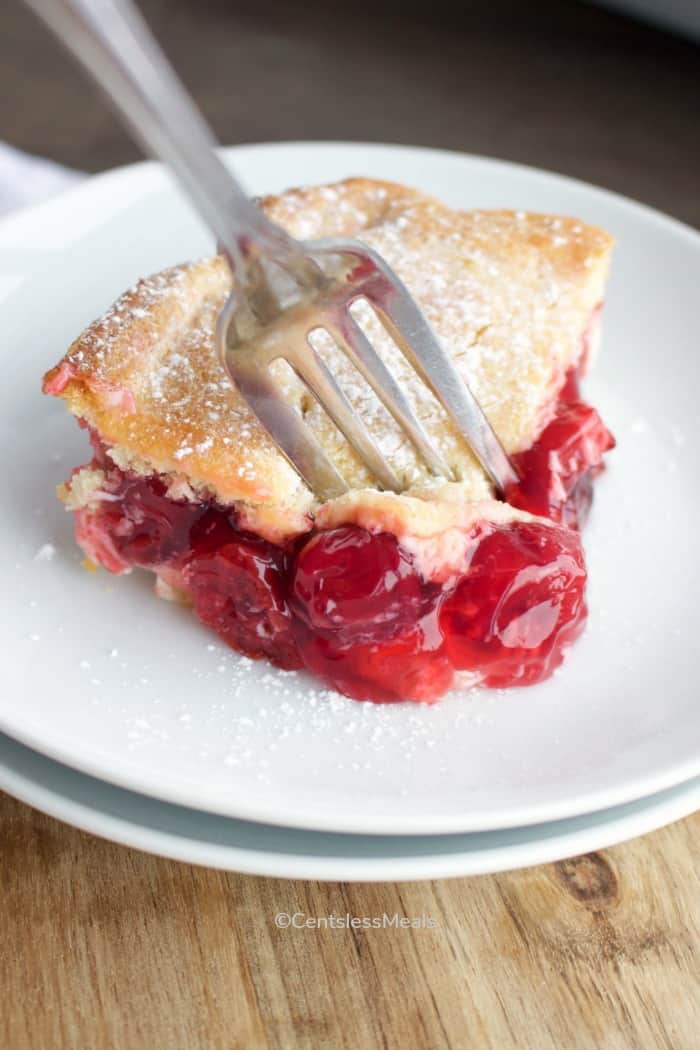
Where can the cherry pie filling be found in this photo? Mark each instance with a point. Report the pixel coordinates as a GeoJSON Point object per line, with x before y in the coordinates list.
{"type": "Point", "coordinates": [351, 605]}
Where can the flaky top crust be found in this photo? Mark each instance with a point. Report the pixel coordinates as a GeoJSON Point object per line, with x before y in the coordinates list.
{"type": "Point", "coordinates": [509, 293]}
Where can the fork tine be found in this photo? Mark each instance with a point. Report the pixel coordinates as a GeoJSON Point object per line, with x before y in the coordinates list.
{"type": "Point", "coordinates": [408, 327]}
{"type": "Point", "coordinates": [284, 425]}
{"type": "Point", "coordinates": [348, 334]}
{"type": "Point", "coordinates": [312, 369]}
{"type": "Point", "coordinates": [356, 271]}
{"type": "Point", "coordinates": [401, 316]}
{"type": "Point", "coordinates": [249, 365]}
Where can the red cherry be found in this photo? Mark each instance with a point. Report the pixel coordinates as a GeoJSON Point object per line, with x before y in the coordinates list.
{"type": "Point", "coordinates": [571, 390]}
{"type": "Point", "coordinates": [140, 524]}
{"type": "Point", "coordinates": [408, 667]}
{"type": "Point", "coordinates": [518, 607]}
{"type": "Point", "coordinates": [366, 621]}
{"type": "Point", "coordinates": [144, 525]}
{"type": "Point", "coordinates": [239, 590]}
{"type": "Point", "coordinates": [352, 584]}
{"type": "Point", "coordinates": [353, 607]}
{"type": "Point", "coordinates": [556, 472]}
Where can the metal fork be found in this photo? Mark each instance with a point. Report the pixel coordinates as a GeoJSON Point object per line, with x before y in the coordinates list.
{"type": "Point", "coordinates": [283, 289]}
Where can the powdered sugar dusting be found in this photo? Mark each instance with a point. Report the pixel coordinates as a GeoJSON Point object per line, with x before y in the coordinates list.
{"type": "Point", "coordinates": [508, 294]}
{"type": "Point", "coordinates": [292, 711]}
{"type": "Point", "coordinates": [45, 553]}
{"type": "Point", "coordinates": [507, 307]}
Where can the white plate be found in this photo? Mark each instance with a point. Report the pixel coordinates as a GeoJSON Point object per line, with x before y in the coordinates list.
{"type": "Point", "coordinates": [683, 16]}
{"type": "Point", "coordinates": [262, 849]}
{"type": "Point", "coordinates": [99, 674]}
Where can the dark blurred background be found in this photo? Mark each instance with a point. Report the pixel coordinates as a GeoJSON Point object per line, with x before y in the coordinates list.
{"type": "Point", "coordinates": [555, 83]}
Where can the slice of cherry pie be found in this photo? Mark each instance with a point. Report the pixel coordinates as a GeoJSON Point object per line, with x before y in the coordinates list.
{"type": "Point", "coordinates": [385, 597]}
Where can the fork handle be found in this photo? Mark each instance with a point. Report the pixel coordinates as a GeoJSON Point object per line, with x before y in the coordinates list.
{"type": "Point", "coordinates": [111, 39]}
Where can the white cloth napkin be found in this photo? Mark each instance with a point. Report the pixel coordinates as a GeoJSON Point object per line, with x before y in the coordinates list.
{"type": "Point", "coordinates": [25, 179]}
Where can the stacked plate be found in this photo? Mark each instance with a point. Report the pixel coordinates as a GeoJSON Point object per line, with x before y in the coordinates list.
{"type": "Point", "coordinates": [123, 716]}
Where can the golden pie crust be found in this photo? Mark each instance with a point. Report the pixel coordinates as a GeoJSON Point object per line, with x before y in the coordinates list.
{"type": "Point", "coordinates": [510, 294]}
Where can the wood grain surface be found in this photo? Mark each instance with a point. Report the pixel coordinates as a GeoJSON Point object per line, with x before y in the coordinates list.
{"type": "Point", "coordinates": [104, 947]}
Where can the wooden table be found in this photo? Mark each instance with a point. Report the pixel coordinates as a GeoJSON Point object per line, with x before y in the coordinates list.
{"type": "Point", "coordinates": [101, 946]}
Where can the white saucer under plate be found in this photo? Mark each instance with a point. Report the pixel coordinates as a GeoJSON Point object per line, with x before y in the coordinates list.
{"type": "Point", "coordinates": [100, 675]}
{"type": "Point", "coordinates": [263, 849]}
